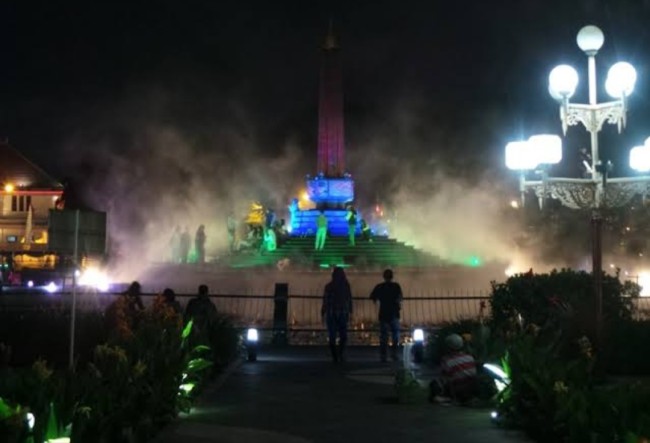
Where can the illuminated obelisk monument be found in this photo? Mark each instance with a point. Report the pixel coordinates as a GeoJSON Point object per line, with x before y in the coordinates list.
{"type": "Point", "coordinates": [332, 188]}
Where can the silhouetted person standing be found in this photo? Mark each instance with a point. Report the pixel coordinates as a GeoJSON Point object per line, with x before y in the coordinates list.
{"type": "Point", "coordinates": [336, 310]}
{"type": "Point", "coordinates": [389, 296]}
{"type": "Point", "coordinates": [186, 239]}
{"type": "Point", "coordinates": [321, 232]}
{"type": "Point", "coordinates": [202, 311]}
{"type": "Point", "coordinates": [199, 244]}
{"type": "Point", "coordinates": [169, 300]}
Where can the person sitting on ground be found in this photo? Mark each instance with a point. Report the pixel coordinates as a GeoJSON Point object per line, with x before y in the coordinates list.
{"type": "Point", "coordinates": [457, 380]}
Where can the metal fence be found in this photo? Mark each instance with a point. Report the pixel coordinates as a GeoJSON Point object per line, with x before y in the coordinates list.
{"type": "Point", "coordinates": [303, 311]}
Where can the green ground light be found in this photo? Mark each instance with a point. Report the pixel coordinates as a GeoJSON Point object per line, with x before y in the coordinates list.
{"type": "Point", "coordinates": [474, 262]}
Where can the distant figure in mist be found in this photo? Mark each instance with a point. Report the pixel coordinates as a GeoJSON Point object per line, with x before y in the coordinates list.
{"type": "Point", "coordinates": [186, 240]}
{"type": "Point", "coordinates": [199, 244]}
{"type": "Point", "coordinates": [269, 219]}
{"type": "Point", "coordinates": [293, 209]}
{"type": "Point", "coordinates": [351, 217]}
{"type": "Point", "coordinates": [336, 311]}
{"type": "Point", "coordinates": [366, 233]}
{"type": "Point", "coordinates": [202, 311]}
{"type": "Point", "coordinates": [321, 231]}
{"type": "Point", "coordinates": [389, 296]}
{"type": "Point", "coordinates": [231, 225]}
{"type": "Point", "coordinates": [175, 245]}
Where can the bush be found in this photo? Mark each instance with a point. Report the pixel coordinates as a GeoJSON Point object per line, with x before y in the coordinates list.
{"type": "Point", "coordinates": [554, 398]}
{"type": "Point", "coordinates": [131, 385]}
{"type": "Point", "coordinates": [564, 298]}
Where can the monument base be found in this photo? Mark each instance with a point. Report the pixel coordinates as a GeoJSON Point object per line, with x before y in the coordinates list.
{"type": "Point", "coordinates": [303, 223]}
{"type": "Point", "coordinates": [330, 194]}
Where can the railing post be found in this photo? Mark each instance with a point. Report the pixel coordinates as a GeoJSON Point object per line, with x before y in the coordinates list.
{"type": "Point", "coordinates": [280, 308]}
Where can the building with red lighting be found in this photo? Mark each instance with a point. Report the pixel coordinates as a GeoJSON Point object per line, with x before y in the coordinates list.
{"type": "Point", "coordinates": [28, 193]}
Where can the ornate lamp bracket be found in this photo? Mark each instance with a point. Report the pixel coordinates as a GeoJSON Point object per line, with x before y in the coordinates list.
{"type": "Point", "coordinates": [593, 116]}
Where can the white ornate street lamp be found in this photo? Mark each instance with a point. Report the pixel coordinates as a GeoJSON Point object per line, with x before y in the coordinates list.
{"type": "Point", "coordinates": [598, 191]}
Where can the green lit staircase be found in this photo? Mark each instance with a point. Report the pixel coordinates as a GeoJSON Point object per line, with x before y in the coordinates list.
{"type": "Point", "coordinates": [381, 251]}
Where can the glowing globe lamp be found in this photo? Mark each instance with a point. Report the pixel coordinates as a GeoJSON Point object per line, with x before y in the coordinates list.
{"type": "Point", "coordinates": [590, 39]}
{"type": "Point", "coordinates": [640, 158]}
{"type": "Point", "coordinates": [519, 156]}
{"type": "Point", "coordinates": [563, 81]}
{"type": "Point", "coordinates": [621, 79]}
{"type": "Point", "coordinates": [547, 148]}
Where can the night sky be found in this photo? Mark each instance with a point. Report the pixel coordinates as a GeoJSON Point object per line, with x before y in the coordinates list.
{"type": "Point", "coordinates": [445, 83]}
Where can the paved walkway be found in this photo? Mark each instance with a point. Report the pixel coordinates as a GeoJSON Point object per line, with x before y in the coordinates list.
{"type": "Point", "coordinates": [296, 395]}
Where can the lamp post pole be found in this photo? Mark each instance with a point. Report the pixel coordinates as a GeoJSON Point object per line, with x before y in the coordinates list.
{"type": "Point", "coordinates": [596, 214]}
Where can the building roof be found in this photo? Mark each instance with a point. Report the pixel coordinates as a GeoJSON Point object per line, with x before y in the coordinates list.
{"type": "Point", "coordinates": [18, 170]}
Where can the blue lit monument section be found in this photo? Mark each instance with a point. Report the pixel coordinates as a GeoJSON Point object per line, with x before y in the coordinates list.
{"type": "Point", "coordinates": [333, 188]}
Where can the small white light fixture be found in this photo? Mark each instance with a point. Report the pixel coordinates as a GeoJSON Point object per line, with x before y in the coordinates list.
{"type": "Point", "coordinates": [494, 415]}
{"type": "Point", "coordinates": [252, 335]}
{"type": "Point", "coordinates": [252, 338]}
{"type": "Point", "coordinates": [51, 287]}
{"type": "Point", "coordinates": [418, 335]}
{"type": "Point", "coordinates": [590, 39]}
{"type": "Point", "coordinates": [563, 81]}
{"type": "Point", "coordinates": [30, 284]}
{"type": "Point", "coordinates": [621, 79]}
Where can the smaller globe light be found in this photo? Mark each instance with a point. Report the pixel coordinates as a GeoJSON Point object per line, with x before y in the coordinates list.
{"type": "Point", "coordinates": [9, 188]}
{"type": "Point", "coordinates": [640, 158]}
{"type": "Point", "coordinates": [418, 335]}
{"type": "Point", "coordinates": [547, 148]}
{"type": "Point", "coordinates": [621, 79]}
{"type": "Point", "coordinates": [519, 156]}
{"type": "Point", "coordinates": [590, 39]}
{"type": "Point", "coordinates": [563, 81]}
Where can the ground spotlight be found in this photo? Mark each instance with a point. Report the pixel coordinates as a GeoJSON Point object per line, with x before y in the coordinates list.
{"type": "Point", "coordinates": [418, 345]}
{"type": "Point", "coordinates": [252, 338]}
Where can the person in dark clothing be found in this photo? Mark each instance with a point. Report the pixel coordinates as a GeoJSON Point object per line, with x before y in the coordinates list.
{"type": "Point", "coordinates": [169, 299]}
{"type": "Point", "coordinates": [133, 298]}
{"type": "Point", "coordinates": [202, 311]}
{"type": "Point", "coordinates": [389, 296]}
{"type": "Point", "coordinates": [124, 314]}
{"type": "Point", "coordinates": [366, 232]}
{"type": "Point", "coordinates": [336, 311]}
{"type": "Point", "coordinates": [199, 244]}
